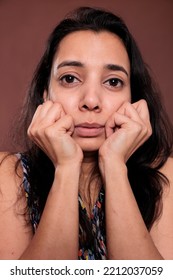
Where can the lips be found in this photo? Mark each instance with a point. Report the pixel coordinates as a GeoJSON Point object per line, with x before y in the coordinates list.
{"type": "Point", "coordinates": [89, 129]}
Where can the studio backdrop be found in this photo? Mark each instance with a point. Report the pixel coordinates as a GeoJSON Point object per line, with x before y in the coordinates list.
{"type": "Point", "coordinates": [25, 26]}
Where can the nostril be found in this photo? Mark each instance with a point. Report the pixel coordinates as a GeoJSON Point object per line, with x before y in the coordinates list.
{"type": "Point", "coordinates": [85, 107]}
{"type": "Point", "coordinates": [90, 108]}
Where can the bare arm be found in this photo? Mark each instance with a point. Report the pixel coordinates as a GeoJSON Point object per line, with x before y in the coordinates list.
{"type": "Point", "coordinates": [162, 230]}
{"type": "Point", "coordinates": [127, 235]}
{"type": "Point", "coordinates": [57, 233]}
{"type": "Point", "coordinates": [15, 233]}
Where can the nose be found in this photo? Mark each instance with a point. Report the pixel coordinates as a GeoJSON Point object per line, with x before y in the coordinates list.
{"type": "Point", "coordinates": [91, 100]}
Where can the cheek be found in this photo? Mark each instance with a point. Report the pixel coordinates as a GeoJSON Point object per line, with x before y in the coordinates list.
{"type": "Point", "coordinates": [58, 96]}
{"type": "Point", "coordinates": [113, 105]}
{"type": "Point", "coordinates": [68, 106]}
{"type": "Point", "coordinates": [118, 101]}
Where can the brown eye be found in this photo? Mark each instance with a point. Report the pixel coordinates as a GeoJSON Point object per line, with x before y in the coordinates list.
{"type": "Point", "coordinates": [114, 82]}
{"type": "Point", "coordinates": [68, 79]}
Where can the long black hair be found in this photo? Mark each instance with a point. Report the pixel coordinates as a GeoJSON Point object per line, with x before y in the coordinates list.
{"type": "Point", "coordinates": [143, 166]}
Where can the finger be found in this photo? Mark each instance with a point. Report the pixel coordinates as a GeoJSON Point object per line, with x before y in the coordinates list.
{"type": "Point", "coordinates": [138, 112]}
{"type": "Point", "coordinates": [116, 121]}
{"type": "Point", "coordinates": [46, 114]}
{"type": "Point", "coordinates": [66, 124]}
{"type": "Point", "coordinates": [128, 110]}
{"type": "Point", "coordinates": [133, 134]}
{"type": "Point", "coordinates": [62, 126]}
{"type": "Point", "coordinates": [44, 107]}
{"type": "Point", "coordinates": [54, 112]}
{"type": "Point", "coordinates": [52, 108]}
{"type": "Point", "coordinates": [142, 108]}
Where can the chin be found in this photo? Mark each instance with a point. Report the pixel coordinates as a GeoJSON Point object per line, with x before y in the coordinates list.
{"type": "Point", "coordinates": [90, 144]}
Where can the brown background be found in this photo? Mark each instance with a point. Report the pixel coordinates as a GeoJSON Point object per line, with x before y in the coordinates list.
{"type": "Point", "coordinates": [26, 24]}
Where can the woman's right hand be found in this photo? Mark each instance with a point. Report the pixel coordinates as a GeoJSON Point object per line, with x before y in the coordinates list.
{"type": "Point", "coordinates": [51, 130]}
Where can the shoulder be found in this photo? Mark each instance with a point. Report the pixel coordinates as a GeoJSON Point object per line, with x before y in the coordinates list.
{"type": "Point", "coordinates": [8, 160]}
{"type": "Point", "coordinates": [162, 230]}
{"type": "Point", "coordinates": [11, 174]}
{"type": "Point", "coordinates": [167, 198]}
{"type": "Point", "coordinates": [13, 206]}
{"type": "Point", "coordinates": [167, 169]}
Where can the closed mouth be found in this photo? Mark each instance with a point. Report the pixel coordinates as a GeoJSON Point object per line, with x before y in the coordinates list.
{"type": "Point", "coordinates": [89, 129]}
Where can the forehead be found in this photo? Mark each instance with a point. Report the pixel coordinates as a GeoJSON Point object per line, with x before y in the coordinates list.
{"type": "Point", "coordinates": [89, 46]}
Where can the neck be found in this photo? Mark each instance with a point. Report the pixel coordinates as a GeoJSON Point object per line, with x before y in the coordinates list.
{"type": "Point", "coordinates": [90, 181]}
{"type": "Point", "coordinates": [90, 161]}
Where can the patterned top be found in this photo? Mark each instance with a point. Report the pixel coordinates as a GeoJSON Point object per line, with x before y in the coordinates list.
{"type": "Point", "coordinates": [95, 251]}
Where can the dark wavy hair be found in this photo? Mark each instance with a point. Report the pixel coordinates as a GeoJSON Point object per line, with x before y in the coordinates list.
{"type": "Point", "coordinates": [143, 166]}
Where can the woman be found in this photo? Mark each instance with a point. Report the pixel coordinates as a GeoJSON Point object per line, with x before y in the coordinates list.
{"type": "Point", "coordinates": [95, 180]}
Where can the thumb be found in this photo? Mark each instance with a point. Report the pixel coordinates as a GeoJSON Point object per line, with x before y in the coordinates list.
{"type": "Point", "coordinates": [65, 124]}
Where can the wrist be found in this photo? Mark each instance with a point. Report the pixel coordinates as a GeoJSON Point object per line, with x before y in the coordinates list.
{"type": "Point", "coordinates": [112, 161]}
{"type": "Point", "coordinates": [70, 168]}
{"type": "Point", "coordinates": [112, 166]}
{"type": "Point", "coordinates": [65, 185]}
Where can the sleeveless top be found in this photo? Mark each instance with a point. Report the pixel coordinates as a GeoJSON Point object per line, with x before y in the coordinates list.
{"type": "Point", "coordinates": [98, 251]}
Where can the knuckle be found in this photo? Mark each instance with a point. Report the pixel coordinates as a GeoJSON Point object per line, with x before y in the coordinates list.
{"type": "Point", "coordinates": [30, 131]}
{"type": "Point", "coordinates": [39, 107]}
{"type": "Point", "coordinates": [48, 133]}
{"type": "Point", "coordinates": [47, 103]}
{"type": "Point", "coordinates": [58, 106]}
{"type": "Point", "coordinates": [145, 130]}
{"type": "Point", "coordinates": [138, 127]}
{"type": "Point", "coordinates": [58, 109]}
{"type": "Point", "coordinates": [34, 131]}
{"type": "Point", "coordinates": [143, 101]}
{"type": "Point", "coordinates": [126, 105]}
{"type": "Point", "coordinates": [150, 130]}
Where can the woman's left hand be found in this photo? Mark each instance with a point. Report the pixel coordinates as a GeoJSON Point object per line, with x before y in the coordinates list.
{"type": "Point", "coordinates": [126, 130]}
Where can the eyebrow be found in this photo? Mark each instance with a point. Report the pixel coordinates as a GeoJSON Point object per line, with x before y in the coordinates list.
{"type": "Point", "coordinates": [70, 63]}
{"type": "Point", "coordinates": [114, 67]}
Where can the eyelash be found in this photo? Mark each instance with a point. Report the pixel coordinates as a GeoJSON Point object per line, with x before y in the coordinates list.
{"type": "Point", "coordinates": [63, 80]}
{"type": "Point", "coordinates": [117, 80]}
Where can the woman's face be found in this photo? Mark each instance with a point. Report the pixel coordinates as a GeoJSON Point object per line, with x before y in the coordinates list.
{"type": "Point", "coordinates": [90, 77]}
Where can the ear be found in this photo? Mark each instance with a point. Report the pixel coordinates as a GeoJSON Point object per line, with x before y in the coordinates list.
{"type": "Point", "coordinates": [45, 95]}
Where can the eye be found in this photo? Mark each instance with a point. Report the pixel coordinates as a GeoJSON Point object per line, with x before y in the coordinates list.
{"type": "Point", "coordinates": [68, 79]}
{"type": "Point", "coordinates": [114, 82]}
